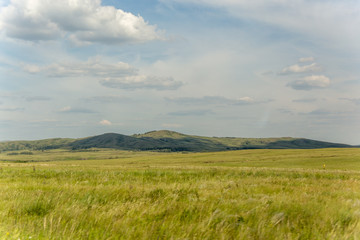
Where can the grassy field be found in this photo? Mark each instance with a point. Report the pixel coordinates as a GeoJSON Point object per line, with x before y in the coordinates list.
{"type": "Point", "coordinates": [247, 194]}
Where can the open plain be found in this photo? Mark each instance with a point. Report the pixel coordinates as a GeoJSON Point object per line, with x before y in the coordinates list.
{"type": "Point", "coordinates": [246, 194]}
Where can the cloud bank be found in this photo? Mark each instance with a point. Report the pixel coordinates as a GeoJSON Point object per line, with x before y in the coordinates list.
{"type": "Point", "coordinates": [92, 67]}
{"type": "Point", "coordinates": [310, 82]}
{"type": "Point", "coordinates": [114, 75]}
{"type": "Point", "coordinates": [314, 67]}
{"type": "Point", "coordinates": [142, 82]}
{"type": "Point", "coordinates": [81, 21]}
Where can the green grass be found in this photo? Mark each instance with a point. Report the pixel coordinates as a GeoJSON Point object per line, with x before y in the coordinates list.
{"type": "Point", "coordinates": [248, 194]}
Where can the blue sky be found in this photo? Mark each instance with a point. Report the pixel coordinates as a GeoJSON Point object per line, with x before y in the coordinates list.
{"type": "Point", "coordinates": [215, 68]}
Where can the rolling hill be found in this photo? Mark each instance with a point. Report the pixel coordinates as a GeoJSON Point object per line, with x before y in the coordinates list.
{"type": "Point", "coordinates": [45, 144]}
{"type": "Point", "coordinates": [165, 140]}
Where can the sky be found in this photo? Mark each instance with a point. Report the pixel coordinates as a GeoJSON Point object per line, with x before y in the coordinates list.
{"type": "Point", "coordinates": [235, 68]}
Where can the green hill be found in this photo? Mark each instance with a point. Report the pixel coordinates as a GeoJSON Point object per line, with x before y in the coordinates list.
{"type": "Point", "coordinates": [165, 140]}
{"type": "Point", "coordinates": [118, 141]}
{"type": "Point", "coordinates": [150, 141]}
{"type": "Point", "coordinates": [161, 134]}
{"type": "Point", "coordinates": [36, 145]}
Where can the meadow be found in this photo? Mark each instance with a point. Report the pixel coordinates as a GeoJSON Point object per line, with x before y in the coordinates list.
{"type": "Point", "coordinates": [246, 194]}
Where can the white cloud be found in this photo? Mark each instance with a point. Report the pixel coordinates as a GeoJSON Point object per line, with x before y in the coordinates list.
{"type": "Point", "coordinates": [142, 82]}
{"type": "Point", "coordinates": [246, 99]}
{"type": "Point", "coordinates": [69, 109]}
{"type": "Point", "coordinates": [314, 67]}
{"type": "Point", "coordinates": [306, 59]}
{"type": "Point", "coordinates": [92, 67]}
{"type": "Point", "coordinates": [115, 75]}
{"type": "Point", "coordinates": [310, 82]}
{"type": "Point", "coordinates": [82, 21]}
{"type": "Point", "coordinates": [105, 122]}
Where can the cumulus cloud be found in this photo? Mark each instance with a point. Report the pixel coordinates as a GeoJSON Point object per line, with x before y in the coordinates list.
{"type": "Point", "coordinates": [310, 82]}
{"type": "Point", "coordinates": [92, 67]}
{"type": "Point", "coordinates": [105, 122]}
{"type": "Point", "coordinates": [82, 21]}
{"type": "Point", "coordinates": [142, 82]}
{"type": "Point", "coordinates": [314, 67]}
{"type": "Point", "coordinates": [115, 75]}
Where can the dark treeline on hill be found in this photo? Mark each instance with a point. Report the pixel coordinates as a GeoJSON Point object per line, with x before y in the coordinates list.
{"type": "Point", "coordinates": [168, 141]}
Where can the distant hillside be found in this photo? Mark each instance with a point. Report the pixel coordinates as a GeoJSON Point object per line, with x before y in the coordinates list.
{"type": "Point", "coordinates": [36, 145]}
{"type": "Point", "coordinates": [118, 141]}
{"type": "Point", "coordinates": [161, 134]}
{"type": "Point", "coordinates": [145, 142]}
{"type": "Point", "coordinates": [168, 141]}
{"type": "Point", "coordinates": [173, 141]}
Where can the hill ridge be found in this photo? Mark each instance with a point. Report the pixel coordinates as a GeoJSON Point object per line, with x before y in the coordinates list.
{"type": "Point", "coordinates": [166, 140]}
{"type": "Point", "coordinates": [161, 134]}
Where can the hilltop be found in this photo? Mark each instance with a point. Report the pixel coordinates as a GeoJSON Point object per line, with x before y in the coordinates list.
{"type": "Point", "coordinates": [165, 140]}
{"type": "Point", "coordinates": [161, 134]}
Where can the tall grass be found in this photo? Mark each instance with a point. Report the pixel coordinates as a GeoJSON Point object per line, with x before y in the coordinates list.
{"type": "Point", "coordinates": [179, 196]}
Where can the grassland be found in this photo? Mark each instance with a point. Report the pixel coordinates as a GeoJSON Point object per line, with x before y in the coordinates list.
{"type": "Point", "coordinates": [247, 194]}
